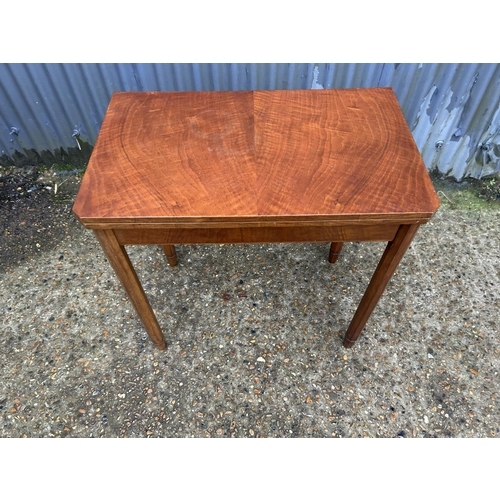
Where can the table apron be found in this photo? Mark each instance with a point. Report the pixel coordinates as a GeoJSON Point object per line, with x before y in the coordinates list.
{"type": "Point", "coordinates": [149, 236]}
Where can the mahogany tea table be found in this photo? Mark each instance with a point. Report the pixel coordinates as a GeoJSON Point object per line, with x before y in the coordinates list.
{"type": "Point", "coordinates": [273, 166]}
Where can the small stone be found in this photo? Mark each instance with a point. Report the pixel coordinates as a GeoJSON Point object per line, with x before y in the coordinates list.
{"type": "Point", "coordinates": [260, 359]}
{"type": "Point", "coordinates": [430, 356]}
{"type": "Point", "coordinates": [426, 419]}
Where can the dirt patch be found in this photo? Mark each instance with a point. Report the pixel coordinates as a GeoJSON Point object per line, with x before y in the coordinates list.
{"type": "Point", "coordinates": [35, 211]}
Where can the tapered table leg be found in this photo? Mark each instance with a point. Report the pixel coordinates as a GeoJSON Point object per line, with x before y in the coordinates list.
{"type": "Point", "coordinates": [170, 254]}
{"type": "Point", "coordinates": [120, 262]}
{"type": "Point", "coordinates": [388, 263]}
{"type": "Point", "coordinates": [335, 249]}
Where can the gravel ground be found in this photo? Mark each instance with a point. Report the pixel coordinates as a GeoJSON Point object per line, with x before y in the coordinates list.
{"type": "Point", "coordinates": [254, 332]}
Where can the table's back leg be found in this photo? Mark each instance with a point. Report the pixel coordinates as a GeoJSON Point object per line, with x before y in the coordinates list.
{"type": "Point", "coordinates": [170, 254]}
{"type": "Point", "coordinates": [388, 263]}
{"type": "Point", "coordinates": [120, 262]}
{"type": "Point", "coordinates": [335, 249]}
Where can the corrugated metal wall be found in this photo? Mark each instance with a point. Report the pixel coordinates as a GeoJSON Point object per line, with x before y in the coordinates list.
{"type": "Point", "coordinates": [453, 109]}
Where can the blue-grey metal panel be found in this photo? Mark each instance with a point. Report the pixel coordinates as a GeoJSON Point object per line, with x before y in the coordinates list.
{"type": "Point", "coordinates": [453, 110]}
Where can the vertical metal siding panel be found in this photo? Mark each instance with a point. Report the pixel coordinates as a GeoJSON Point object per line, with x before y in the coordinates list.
{"type": "Point", "coordinates": [96, 73]}
{"type": "Point", "coordinates": [79, 115]}
{"type": "Point", "coordinates": [216, 77]}
{"type": "Point", "coordinates": [206, 75]}
{"type": "Point", "coordinates": [59, 94]}
{"type": "Point", "coordinates": [406, 80]}
{"type": "Point", "coordinates": [95, 96]}
{"type": "Point", "coordinates": [358, 77]}
{"type": "Point", "coordinates": [188, 70]}
{"type": "Point", "coordinates": [14, 110]}
{"type": "Point", "coordinates": [170, 75]}
{"type": "Point", "coordinates": [310, 80]}
{"type": "Point", "coordinates": [348, 75]}
{"type": "Point", "coordinates": [291, 76]}
{"type": "Point", "coordinates": [386, 75]}
{"type": "Point", "coordinates": [322, 74]}
{"type": "Point", "coordinates": [413, 89]}
{"type": "Point", "coordinates": [484, 97]}
{"type": "Point", "coordinates": [234, 71]}
{"type": "Point", "coordinates": [164, 76]}
{"type": "Point", "coordinates": [145, 76]}
{"type": "Point", "coordinates": [252, 76]}
{"type": "Point", "coordinates": [198, 84]}
{"type": "Point", "coordinates": [262, 76]}
{"type": "Point", "coordinates": [228, 77]}
{"type": "Point", "coordinates": [178, 73]}
{"type": "Point", "coordinates": [330, 69]}
{"type": "Point", "coordinates": [483, 120]}
{"type": "Point", "coordinates": [339, 76]}
{"type": "Point", "coordinates": [370, 74]}
{"type": "Point", "coordinates": [110, 77]}
{"type": "Point", "coordinates": [38, 111]}
{"type": "Point", "coordinates": [46, 101]}
{"type": "Point", "coordinates": [276, 76]}
{"type": "Point", "coordinates": [281, 76]}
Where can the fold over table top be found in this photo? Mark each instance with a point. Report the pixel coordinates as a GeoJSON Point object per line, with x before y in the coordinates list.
{"type": "Point", "coordinates": [255, 157]}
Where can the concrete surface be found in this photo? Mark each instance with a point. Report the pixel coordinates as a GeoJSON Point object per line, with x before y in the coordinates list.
{"type": "Point", "coordinates": [254, 332]}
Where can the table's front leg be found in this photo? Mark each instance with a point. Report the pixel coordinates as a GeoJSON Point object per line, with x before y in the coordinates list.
{"type": "Point", "coordinates": [388, 263]}
{"type": "Point", "coordinates": [120, 262]}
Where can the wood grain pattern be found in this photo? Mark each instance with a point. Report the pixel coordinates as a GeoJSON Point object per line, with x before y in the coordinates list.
{"type": "Point", "coordinates": [146, 236]}
{"type": "Point", "coordinates": [296, 154]}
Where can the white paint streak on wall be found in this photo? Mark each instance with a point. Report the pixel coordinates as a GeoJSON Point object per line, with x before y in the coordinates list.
{"type": "Point", "coordinates": [315, 84]}
{"type": "Point", "coordinates": [421, 130]}
{"type": "Point", "coordinates": [488, 161]}
{"type": "Point", "coordinates": [452, 157]}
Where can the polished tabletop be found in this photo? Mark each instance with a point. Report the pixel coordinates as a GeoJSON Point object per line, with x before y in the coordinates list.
{"type": "Point", "coordinates": [253, 157]}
